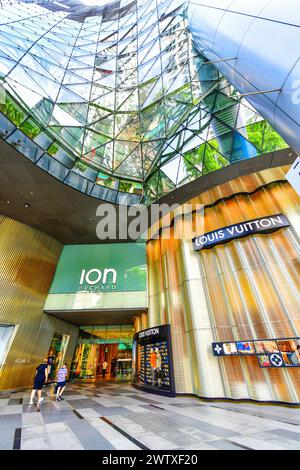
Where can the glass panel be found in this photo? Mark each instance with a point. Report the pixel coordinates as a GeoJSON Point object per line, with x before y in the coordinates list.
{"type": "Point", "coordinates": [103, 351]}
{"type": "Point", "coordinates": [6, 334]}
{"type": "Point", "coordinates": [6, 126]}
{"type": "Point", "coordinates": [122, 92]}
{"type": "Point", "coordinates": [24, 145]}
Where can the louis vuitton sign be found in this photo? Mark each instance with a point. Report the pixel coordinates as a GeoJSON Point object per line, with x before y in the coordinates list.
{"type": "Point", "coordinates": [243, 229]}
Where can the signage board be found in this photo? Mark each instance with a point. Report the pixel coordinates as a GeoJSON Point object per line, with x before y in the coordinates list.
{"type": "Point", "coordinates": [118, 267]}
{"type": "Point", "coordinates": [150, 332]}
{"type": "Point", "coordinates": [293, 175]}
{"type": "Point", "coordinates": [99, 277]}
{"type": "Point", "coordinates": [278, 352]}
{"type": "Point", "coordinates": [223, 235]}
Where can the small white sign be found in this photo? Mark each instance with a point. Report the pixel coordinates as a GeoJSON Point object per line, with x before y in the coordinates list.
{"type": "Point", "coordinates": [293, 175]}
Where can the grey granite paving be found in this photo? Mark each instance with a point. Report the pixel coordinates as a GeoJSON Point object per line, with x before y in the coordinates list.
{"type": "Point", "coordinates": [8, 426]}
{"type": "Point", "coordinates": [89, 437]}
{"type": "Point", "coordinates": [107, 415]}
{"type": "Point", "coordinates": [227, 445]}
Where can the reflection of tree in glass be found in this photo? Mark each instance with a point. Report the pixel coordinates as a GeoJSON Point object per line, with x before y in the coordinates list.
{"type": "Point", "coordinates": [31, 129]}
{"type": "Point", "coordinates": [204, 159]}
{"type": "Point", "coordinates": [263, 136]}
{"type": "Point", "coordinates": [12, 111]}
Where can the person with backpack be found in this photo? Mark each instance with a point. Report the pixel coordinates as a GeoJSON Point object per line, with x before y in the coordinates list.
{"type": "Point", "coordinates": [61, 382]}
{"type": "Point", "coordinates": [41, 376]}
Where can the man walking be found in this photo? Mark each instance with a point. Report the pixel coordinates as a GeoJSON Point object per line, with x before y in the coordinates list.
{"type": "Point", "coordinates": [41, 376]}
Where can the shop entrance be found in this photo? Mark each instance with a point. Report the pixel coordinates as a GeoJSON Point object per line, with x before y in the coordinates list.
{"type": "Point", "coordinates": [103, 352]}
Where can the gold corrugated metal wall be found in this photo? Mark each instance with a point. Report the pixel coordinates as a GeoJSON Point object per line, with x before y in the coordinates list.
{"type": "Point", "coordinates": [28, 259]}
{"type": "Point", "coordinates": [248, 288]}
{"type": "Point", "coordinates": [140, 322]}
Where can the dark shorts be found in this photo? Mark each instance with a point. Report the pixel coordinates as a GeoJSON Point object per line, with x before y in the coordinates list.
{"type": "Point", "coordinates": [38, 385]}
{"type": "Point", "coordinates": [61, 384]}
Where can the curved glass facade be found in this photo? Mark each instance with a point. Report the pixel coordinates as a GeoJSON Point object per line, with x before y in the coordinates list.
{"type": "Point", "coordinates": [115, 101]}
{"type": "Point", "coordinates": [251, 43]}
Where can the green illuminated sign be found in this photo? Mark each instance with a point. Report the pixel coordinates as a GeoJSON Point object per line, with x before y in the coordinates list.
{"type": "Point", "coordinates": [118, 267]}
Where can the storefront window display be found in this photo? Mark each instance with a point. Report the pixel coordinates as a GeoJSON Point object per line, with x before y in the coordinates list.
{"type": "Point", "coordinates": [103, 351]}
{"type": "Point", "coordinates": [152, 361]}
{"type": "Point", "coordinates": [56, 354]}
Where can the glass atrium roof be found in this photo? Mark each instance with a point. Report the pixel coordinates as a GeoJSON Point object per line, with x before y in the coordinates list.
{"type": "Point", "coordinates": [112, 99]}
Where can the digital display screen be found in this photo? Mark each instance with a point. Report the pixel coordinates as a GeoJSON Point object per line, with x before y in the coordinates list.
{"type": "Point", "coordinates": [153, 368]}
{"type": "Point", "coordinates": [266, 347]}
{"type": "Point", "coordinates": [264, 360]}
{"type": "Point", "coordinates": [281, 352]}
{"type": "Point", "coordinates": [230, 349]}
{"type": "Point", "coordinates": [245, 347]}
{"type": "Point", "coordinates": [290, 351]}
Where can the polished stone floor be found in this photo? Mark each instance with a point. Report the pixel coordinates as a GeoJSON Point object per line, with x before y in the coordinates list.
{"type": "Point", "coordinates": [110, 415]}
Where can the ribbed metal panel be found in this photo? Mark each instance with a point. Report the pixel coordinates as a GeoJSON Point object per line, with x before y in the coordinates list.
{"type": "Point", "coordinates": [28, 259]}
{"type": "Point", "coordinates": [248, 288]}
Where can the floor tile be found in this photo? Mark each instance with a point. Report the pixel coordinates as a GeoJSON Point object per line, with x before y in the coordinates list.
{"type": "Point", "coordinates": [106, 415]}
